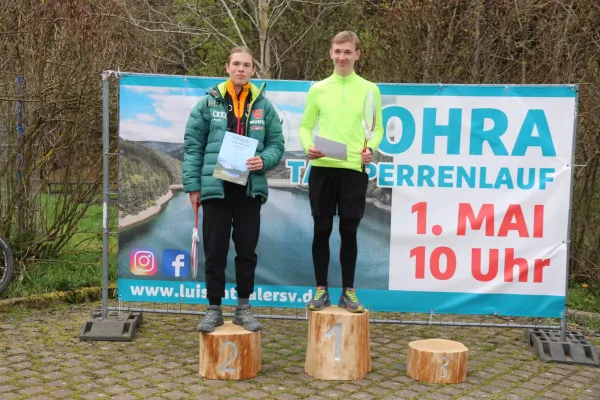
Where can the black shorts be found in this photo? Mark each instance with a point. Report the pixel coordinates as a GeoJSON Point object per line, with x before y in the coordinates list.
{"type": "Point", "coordinates": [337, 191]}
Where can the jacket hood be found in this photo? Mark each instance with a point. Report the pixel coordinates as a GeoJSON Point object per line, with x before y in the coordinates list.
{"type": "Point", "coordinates": [219, 91]}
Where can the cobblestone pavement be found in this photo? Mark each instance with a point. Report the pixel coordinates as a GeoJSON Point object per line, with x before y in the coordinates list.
{"type": "Point", "coordinates": [41, 357]}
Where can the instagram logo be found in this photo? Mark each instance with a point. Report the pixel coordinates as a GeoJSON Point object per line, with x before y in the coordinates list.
{"type": "Point", "coordinates": [143, 262]}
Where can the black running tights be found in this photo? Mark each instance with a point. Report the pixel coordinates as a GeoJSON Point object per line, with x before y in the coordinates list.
{"type": "Point", "coordinates": [323, 226]}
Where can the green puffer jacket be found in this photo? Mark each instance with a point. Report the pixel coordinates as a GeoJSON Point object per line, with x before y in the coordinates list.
{"type": "Point", "coordinates": [204, 134]}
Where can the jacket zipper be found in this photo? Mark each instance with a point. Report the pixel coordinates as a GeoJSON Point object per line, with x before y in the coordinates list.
{"type": "Point", "coordinates": [239, 120]}
{"type": "Point", "coordinates": [246, 129]}
{"type": "Point", "coordinates": [246, 134]}
{"type": "Point", "coordinates": [222, 100]}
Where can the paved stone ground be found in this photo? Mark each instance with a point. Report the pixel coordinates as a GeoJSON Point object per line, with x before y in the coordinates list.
{"type": "Point", "coordinates": [41, 357]}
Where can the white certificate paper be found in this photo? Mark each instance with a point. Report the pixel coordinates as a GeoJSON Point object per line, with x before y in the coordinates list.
{"type": "Point", "coordinates": [231, 162]}
{"type": "Point", "coordinates": [331, 148]}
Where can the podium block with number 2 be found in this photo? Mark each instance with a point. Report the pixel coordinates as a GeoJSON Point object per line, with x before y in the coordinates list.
{"type": "Point", "coordinates": [230, 352]}
{"type": "Point", "coordinates": [338, 345]}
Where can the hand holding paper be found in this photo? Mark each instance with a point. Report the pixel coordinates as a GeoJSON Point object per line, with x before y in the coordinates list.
{"type": "Point", "coordinates": [255, 163]}
{"type": "Point", "coordinates": [313, 153]}
{"type": "Point", "coordinates": [232, 161]}
{"type": "Point", "coordinates": [331, 148]}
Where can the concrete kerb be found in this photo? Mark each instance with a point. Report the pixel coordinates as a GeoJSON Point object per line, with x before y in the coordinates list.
{"type": "Point", "coordinates": [46, 300]}
{"type": "Point", "coordinates": [582, 316]}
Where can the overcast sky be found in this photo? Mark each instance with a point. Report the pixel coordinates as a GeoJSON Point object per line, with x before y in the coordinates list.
{"type": "Point", "coordinates": [160, 114]}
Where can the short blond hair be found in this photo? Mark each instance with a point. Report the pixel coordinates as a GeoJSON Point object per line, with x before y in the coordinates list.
{"type": "Point", "coordinates": [240, 49]}
{"type": "Point", "coordinates": [346, 36]}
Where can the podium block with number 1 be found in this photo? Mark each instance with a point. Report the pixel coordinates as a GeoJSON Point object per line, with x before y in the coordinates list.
{"type": "Point", "coordinates": [338, 345]}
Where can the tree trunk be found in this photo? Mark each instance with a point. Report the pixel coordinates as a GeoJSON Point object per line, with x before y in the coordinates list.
{"type": "Point", "coordinates": [437, 361]}
{"type": "Point", "coordinates": [477, 41]}
{"type": "Point", "coordinates": [263, 34]}
{"type": "Point", "coordinates": [230, 352]}
{"type": "Point", "coordinates": [338, 345]}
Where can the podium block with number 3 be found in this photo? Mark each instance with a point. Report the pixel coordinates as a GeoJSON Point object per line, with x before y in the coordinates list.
{"type": "Point", "coordinates": [230, 352]}
{"type": "Point", "coordinates": [437, 361]}
{"type": "Point", "coordinates": [338, 345]}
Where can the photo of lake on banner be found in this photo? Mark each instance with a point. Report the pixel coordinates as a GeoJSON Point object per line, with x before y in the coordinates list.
{"type": "Point", "coordinates": [284, 248]}
{"type": "Point", "coordinates": [155, 214]}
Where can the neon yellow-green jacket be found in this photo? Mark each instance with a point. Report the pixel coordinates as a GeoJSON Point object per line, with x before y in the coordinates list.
{"type": "Point", "coordinates": [338, 103]}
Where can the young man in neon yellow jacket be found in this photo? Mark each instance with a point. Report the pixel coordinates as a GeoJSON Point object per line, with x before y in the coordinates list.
{"type": "Point", "coordinates": [339, 186]}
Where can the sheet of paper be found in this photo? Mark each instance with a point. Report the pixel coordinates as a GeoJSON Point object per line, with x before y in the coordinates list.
{"type": "Point", "coordinates": [231, 162]}
{"type": "Point", "coordinates": [331, 148]}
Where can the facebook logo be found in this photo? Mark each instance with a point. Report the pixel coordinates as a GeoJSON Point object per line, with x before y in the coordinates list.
{"type": "Point", "coordinates": [176, 263]}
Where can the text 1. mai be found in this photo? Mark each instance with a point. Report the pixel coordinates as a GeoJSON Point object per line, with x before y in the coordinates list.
{"type": "Point", "coordinates": [526, 223]}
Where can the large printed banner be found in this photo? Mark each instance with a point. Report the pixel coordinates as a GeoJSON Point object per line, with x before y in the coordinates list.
{"type": "Point", "coordinates": [467, 210]}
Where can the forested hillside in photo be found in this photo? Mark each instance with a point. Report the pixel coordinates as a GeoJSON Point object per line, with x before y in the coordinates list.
{"type": "Point", "coordinates": [145, 174]}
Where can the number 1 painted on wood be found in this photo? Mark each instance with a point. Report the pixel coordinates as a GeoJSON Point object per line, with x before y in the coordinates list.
{"type": "Point", "coordinates": [337, 331]}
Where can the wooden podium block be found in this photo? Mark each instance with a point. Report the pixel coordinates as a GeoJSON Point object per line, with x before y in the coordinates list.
{"type": "Point", "coordinates": [437, 361]}
{"type": "Point", "coordinates": [230, 352]}
{"type": "Point", "coordinates": [338, 345]}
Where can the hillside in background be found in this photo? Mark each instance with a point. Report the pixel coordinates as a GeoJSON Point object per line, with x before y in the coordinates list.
{"type": "Point", "coordinates": [174, 150]}
{"type": "Point", "coordinates": [145, 174]}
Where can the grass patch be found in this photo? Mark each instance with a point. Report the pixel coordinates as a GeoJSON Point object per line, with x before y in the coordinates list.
{"type": "Point", "coordinates": [71, 271]}
{"type": "Point", "coordinates": [79, 263]}
{"type": "Point", "coordinates": [593, 324]}
{"type": "Point", "coordinates": [584, 298]}
{"type": "Point", "coordinates": [89, 228]}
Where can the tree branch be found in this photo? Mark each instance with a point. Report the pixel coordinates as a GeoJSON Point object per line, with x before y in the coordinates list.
{"type": "Point", "coordinates": [233, 20]}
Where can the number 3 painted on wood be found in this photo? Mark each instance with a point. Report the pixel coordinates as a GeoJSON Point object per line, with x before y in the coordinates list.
{"type": "Point", "coordinates": [444, 360]}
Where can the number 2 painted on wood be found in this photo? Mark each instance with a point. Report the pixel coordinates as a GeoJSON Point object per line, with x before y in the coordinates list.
{"type": "Point", "coordinates": [223, 367]}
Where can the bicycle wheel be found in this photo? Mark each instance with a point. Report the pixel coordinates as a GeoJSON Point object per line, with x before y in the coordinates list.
{"type": "Point", "coordinates": [6, 264]}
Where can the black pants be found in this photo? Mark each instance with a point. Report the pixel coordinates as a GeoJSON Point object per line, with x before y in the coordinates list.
{"type": "Point", "coordinates": [243, 214]}
{"type": "Point", "coordinates": [336, 191]}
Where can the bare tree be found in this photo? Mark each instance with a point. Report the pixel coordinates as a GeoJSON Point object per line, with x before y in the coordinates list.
{"type": "Point", "coordinates": [51, 150]}
{"type": "Point", "coordinates": [229, 23]}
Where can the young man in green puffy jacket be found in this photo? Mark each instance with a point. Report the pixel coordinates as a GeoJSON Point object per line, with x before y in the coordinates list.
{"type": "Point", "coordinates": [339, 186]}
{"type": "Point", "coordinates": [240, 107]}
